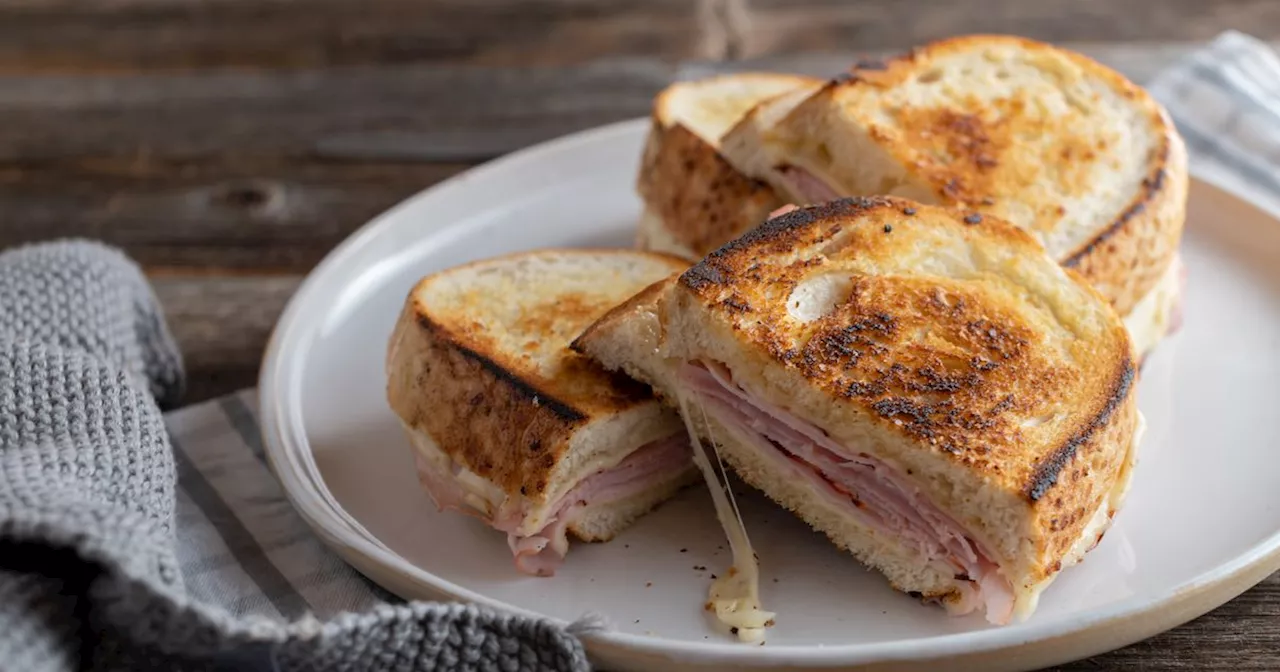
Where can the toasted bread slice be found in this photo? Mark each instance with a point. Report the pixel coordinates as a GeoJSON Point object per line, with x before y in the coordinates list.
{"type": "Point", "coordinates": [684, 179]}
{"type": "Point", "coordinates": [944, 347]}
{"type": "Point", "coordinates": [507, 420]}
{"type": "Point", "coordinates": [1084, 160]}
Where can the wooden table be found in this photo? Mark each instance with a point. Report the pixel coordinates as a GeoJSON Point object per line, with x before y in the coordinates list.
{"type": "Point", "coordinates": [229, 144]}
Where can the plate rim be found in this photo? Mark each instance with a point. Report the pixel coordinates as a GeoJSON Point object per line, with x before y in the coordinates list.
{"type": "Point", "coordinates": [281, 428]}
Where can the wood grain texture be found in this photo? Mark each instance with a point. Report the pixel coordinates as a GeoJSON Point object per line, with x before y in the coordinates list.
{"type": "Point", "coordinates": [234, 213]}
{"type": "Point", "coordinates": [160, 35]}
{"type": "Point", "coordinates": [458, 112]}
{"type": "Point", "coordinates": [221, 325]}
{"type": "Point", "coordinates": [1243, 634]}
{"type": "Point", "coordinates": [229, 144]}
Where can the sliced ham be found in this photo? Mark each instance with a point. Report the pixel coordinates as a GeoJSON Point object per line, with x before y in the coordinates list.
{"type": "Point", "coordinates": [783, 210]}
{"type": "Point", "coordinates": [540, 552]}
{"type": "Point", "coordinates": [876, 494]}
{"type": "Point", "coordinates": [806, 184]}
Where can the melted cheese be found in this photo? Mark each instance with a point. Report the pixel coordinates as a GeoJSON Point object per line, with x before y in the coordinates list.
{"type": "Point", "coordinates": [735, 595]}
{"type": "Point", "coordinates": [1099, 523]}
{"type": "Point", "coordinates": [1148, 321]}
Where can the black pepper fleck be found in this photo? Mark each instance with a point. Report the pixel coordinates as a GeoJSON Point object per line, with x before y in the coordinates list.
{"type": "Point", "coordinates": [973, 218]}
{"type": "Point", "coordinates": [888, 228]}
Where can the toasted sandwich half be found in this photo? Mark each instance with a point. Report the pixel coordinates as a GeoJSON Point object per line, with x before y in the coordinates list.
{"type": "Point", "coordinates": [1084, 160]}
{"type": "Point", "coordinates": [510, 425]}
{"type": "Point", "coordinates": [682, 176]}
{"type": "Point", "coordinates": [923, 385]}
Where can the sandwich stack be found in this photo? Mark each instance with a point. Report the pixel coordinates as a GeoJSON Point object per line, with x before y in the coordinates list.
{"type": "Point", "coordinates": [909, 304]}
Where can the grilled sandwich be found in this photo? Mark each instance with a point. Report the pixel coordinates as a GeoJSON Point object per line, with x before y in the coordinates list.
{"type": "Point", "coordinates": [683, 178]}
{"type": "Point", "coordinates": [924, 385]}
{"type": "Point", "coordinates": [1081, 158]}
{"type": "Point", "coordinates": [508, 424]}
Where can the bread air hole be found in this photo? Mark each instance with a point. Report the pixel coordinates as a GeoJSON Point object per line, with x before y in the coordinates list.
{"type": "Point", "coordinates": [930, 76]}
{"type": "Point", "coordinates": [818, 295]}
{"type": "Point", "coordinates": [1039, 420]}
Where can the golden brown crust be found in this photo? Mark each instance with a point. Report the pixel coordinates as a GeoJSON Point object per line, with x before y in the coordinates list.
{"type": "Point", "coordinates": [965, 366]}
{"type": "Point", "coordinates": [1127, 259]}
{"type": "Point", "coordinates": [974, 154]}
{"type": "Point", "coordinates": [954, 364]}
{"type": "Point", "coordinates": [701, 200]}
{"type": "Point", "coordinates": [476, 411]}
{"type": "Point", "coordinates": [504, 411]}
{"type": "Point", "coordinates": [1087, 470]}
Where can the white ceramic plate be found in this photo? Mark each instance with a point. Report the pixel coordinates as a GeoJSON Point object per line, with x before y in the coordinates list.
{"type": "Point", "coordinates": [1200, 527]}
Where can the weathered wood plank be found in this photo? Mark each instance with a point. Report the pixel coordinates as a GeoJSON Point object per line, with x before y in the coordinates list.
{"type": "Point", "coordinates": [152, 35]}
{"type": "Point", "coordinates": [221, 325]}
{"type": "Point", "coordinates": [185, 34]}
{"type": "Point", "coordinates": [1243, 634]}
{"type": "Point", "coordinates": [245, 213]}
{"type": "Point", "coordinates": [449, 114]}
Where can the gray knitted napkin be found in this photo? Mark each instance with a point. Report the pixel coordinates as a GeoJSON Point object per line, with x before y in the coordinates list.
{"type": "Point", "coordinates": [89, 576]}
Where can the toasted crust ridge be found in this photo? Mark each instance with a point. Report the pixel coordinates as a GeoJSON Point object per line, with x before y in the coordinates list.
{"type": "Point", "coordinates": [479, 359]}
{"type": "Point", "coordinates": [503, 374]}
{"type": "Point", "coordinates": [1096, 171]}
{"type": "Point", "coordinates": [698, 197]}
{"type": "Point", "coordinates": [1045, 475]}
{"type": "Point", "coordinates": [955, 362]}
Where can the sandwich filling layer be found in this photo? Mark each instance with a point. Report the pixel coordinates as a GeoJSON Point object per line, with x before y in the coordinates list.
{"type": "Point", "coordinates": [540, 547]}
{"type": "Point", "coordinates": [804, 183]}
{"type": "Point", "coordinates": [1158, 313]}
{"type": "Point", "coordinates": [883, 500]}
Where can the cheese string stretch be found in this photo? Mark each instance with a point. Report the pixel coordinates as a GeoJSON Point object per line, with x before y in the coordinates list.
{"type": "Point", "coordinates": [735, 596]}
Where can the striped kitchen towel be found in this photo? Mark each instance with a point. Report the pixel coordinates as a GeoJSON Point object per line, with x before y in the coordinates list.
{"type": "Point", "coordinates": [244, 548]}
{"type": "Point", "coordinates": [1225, 100]}
{"type": "Point", "coordinates": [240, 543]}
